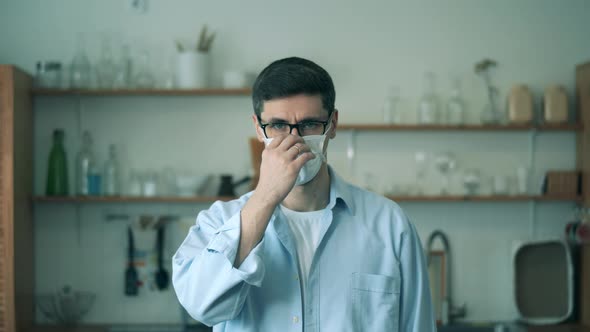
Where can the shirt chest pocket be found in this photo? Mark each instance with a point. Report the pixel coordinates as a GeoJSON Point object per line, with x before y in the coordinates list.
{"type": "Point", "coordinates": [375, 302]}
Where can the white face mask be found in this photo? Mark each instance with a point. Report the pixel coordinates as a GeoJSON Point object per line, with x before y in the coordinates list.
{"type": "Point", "coordinates": [311, 168]}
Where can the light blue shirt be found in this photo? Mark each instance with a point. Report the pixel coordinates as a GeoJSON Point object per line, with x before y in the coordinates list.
{"type": "Point", "coordinates": [368, 272]}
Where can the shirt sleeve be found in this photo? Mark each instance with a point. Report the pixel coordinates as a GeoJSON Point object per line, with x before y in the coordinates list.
{"type": "Point", "coordinates": [207, 284]}
{"type": "Point", "coordinates": [417, 314]}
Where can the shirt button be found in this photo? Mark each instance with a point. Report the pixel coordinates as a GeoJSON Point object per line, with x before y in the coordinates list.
{"type": "Point", "coordinates": [296, 277]}
{"type": "Point", "coordinates": [295, 319]}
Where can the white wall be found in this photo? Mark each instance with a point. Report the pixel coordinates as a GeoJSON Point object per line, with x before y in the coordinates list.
{"type": "Point", "coordinates": [366, 47]}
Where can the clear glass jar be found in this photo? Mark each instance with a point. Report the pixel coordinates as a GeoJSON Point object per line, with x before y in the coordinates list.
{"type": "Point", "coordinates": [48, 74]}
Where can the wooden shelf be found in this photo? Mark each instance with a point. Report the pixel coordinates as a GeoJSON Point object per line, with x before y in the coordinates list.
{"type": "Point", "coordinates": [210, 199]}
{"type": "Point", "coordinates": [471, 127]}
{"type": "Point", "coordinates": [486, 198]}
{"type": "Point", "coordinates": [142, 92]}
{"type": "Point", "coordinates": [129, 199]}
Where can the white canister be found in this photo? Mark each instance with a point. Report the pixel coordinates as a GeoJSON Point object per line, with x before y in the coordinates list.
{"type": "Point", "coordinates": [192, 70]}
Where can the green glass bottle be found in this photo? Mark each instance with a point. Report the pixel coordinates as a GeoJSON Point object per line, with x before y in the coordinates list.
{"type": "Point", "coordinates": [57, 172]}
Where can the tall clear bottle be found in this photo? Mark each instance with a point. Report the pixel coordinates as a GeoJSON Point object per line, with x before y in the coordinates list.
{"type": "Point", "coordinates": [428, 112]}
{"type": "Point", "coordinates": [106, 67]}
{"type": "Point", "coordinates": [84, 165]}
{"type": "Point", "coordinates": [80, 68]}
{"type": "Point", "coordinates": [57, 170]}
{"type": "Point", "coordinates": [391, 110]}
{"type": "Point", "coordinates": [455, 110]}
{"type": "Point", "coordinates": [111, 175]}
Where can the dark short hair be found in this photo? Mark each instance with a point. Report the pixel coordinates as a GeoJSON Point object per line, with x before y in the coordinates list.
{"type": "Point", "coordinates": [292, 76]}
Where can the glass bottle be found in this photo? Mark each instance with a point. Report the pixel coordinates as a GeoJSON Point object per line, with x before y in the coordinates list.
{"type": "Point", "coordinates": [106, 68]}
{"type": "Point", "coordinates": [94, 181]}
{"type": "Point", "coordinates": [84, 163]}
{"type": "Point", "coordinates": [455, 106]}
{"type": "Point", "coordinates": [111, 174]}
{"type": "Point", "coordinates": [391, 111]}
{"type": "Point", "coordinates": [428, 105]}
{"type": "Point", "coordinates": [57, 172]}
{"type": "Point", "coordinates": [124, 72]}
{"type": "Point", "coordinates": [80, 67]}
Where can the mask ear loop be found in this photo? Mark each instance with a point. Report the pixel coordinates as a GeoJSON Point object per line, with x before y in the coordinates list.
{"type": "Point", "coordinates": [325, 143]}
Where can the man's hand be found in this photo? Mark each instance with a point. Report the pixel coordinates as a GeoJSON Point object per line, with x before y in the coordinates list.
{"type": "Point", "coordinates": [282, 160]}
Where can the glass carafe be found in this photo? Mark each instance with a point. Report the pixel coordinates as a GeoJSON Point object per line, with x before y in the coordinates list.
{"type": "Point", "coordinates": [428, 105]}
{"type": "Point", "coordinates": [57, 171]}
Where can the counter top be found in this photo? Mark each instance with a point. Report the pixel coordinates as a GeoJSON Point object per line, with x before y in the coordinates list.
{"type": "Point", "coordinates": [116, 327]}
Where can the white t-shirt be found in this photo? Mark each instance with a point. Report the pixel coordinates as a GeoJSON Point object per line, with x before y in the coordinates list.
{"type": "Point", "coordinates": [306, 228]}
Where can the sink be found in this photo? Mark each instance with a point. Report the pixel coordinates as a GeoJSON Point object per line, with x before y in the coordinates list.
{"type": "Point", "coordinates": [503, 326]}
{"type": "Point", "coordinates": [467, 328]}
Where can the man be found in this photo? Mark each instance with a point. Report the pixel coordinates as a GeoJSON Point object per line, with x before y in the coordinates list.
{"type": "Point", "coordinates": [304, 251]}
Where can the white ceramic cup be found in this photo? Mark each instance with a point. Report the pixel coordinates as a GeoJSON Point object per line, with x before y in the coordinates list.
{"type": "Point", "coordinates": [192, 70]}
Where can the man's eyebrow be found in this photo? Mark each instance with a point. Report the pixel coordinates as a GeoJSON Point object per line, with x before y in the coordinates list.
{"type": "Point", "coordinates": [311, 118]}
{"type": "Point", "coordinates": [277, 120]}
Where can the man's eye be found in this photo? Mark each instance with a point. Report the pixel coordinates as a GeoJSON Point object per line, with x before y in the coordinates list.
{"type": "Point", "coordinates": [277, 126]}
{"type": "Point", "coordinates": [309, 125]}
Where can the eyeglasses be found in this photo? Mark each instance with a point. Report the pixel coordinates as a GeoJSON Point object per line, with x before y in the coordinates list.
{"type": "Point", "coordinates": [305, 128]}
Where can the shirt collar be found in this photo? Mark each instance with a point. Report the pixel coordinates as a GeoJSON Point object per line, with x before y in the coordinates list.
{"type": "Point", "coordinates": [340, 190]}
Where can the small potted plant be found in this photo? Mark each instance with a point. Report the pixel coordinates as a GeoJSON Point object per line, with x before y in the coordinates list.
{"type": "Point", "coordinates": [192, 67]}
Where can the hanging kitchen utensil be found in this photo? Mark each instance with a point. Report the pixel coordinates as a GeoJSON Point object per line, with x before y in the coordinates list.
{"type": "Point", "coordinates": [131, 278]}
{"type": "Point", "coordinates": [162, 277]}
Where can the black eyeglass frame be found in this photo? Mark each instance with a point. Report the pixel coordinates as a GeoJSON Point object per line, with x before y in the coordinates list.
{"type": "Point", "coordinates": [291, 126]}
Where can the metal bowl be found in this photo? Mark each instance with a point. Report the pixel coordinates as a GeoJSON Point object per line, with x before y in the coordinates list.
{"type": "Point", "coordinates": [65, 306]}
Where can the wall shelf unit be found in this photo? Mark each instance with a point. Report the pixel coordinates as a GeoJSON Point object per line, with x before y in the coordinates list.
{"type": "Point", "coordinates": [16, 244]}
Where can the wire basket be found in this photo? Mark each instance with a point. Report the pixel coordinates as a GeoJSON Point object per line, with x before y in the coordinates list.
{"type": "Point", "coordinates": [65, 306]}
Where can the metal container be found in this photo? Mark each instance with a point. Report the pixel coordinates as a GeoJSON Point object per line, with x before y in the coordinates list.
{"type": "Point", "coordinates": [544, 282]}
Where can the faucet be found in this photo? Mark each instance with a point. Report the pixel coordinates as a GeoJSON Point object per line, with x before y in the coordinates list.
{"type": "Point", "coordinates": [449, 312]}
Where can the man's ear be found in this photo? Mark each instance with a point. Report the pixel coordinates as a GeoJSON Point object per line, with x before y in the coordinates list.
{"type": "Point", "coordinates": [334, 124]}
{"type": "Point", "coordinates": [257, 129]}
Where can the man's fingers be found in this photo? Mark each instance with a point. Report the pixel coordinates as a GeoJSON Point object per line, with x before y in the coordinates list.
{"type": "Point", "coordinates": [276, 141]}
{"type": "Point", "coordinates": [297, 149]}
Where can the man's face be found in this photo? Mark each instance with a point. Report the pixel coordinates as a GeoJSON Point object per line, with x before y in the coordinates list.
{"type": "Point", "coordinates": [295, 109]}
